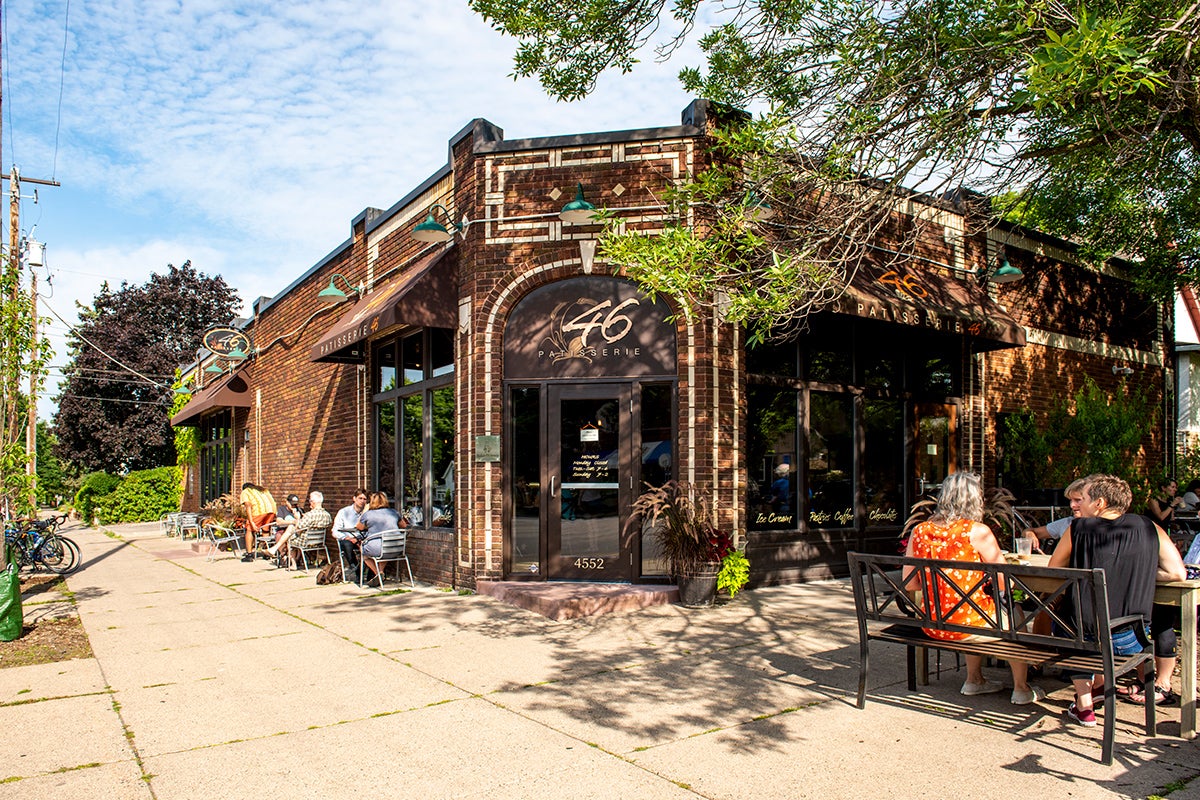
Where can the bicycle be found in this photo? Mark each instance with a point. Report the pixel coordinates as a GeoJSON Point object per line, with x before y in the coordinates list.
{"type": "Point", "coordinates": [37, 542]}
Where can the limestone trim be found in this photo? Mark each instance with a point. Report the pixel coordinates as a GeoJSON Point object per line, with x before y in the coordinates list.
{"type": "Point", "coordinates": [1076, 344]}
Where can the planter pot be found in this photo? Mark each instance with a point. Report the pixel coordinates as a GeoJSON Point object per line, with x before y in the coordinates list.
{"type": "Point", "coordinates": [698, 587]}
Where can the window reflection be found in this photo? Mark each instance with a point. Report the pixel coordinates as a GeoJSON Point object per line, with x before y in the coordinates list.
{"type": "Point", "coordinates": [772, 422]}
{"type": "Point", "coordinates": [385, 367]}
{"type": "Point", "coordinates": [412, 358]}
{"type": "Point", "coordinates": [524, 406]}
{"type": "Point", "coordinates": [831, 460]}
{"type": "Point", "coordinates": [442, 457]}
{"type": "Point", "coordinates": [883, 462]}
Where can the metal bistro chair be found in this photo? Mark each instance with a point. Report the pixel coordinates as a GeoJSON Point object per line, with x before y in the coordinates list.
{"type": "Point", "coordinates": [309, 541]}
{"type": "Point", "coordinates": [393, 548]}
{"type": "Point", "coordinates": [217, 535]}
{"type": "Point", "coordinates": [169, 523]}
{"type": "Point", "coordinates": [188, 522]}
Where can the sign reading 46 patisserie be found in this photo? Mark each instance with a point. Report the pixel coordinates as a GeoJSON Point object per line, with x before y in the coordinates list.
{"type": "Point", "coordinates": [586, 327]}
{"type": "Point", "coordinates": [224, 341]}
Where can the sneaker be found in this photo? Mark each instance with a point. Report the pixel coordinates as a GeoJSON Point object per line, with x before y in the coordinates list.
{"type": "Point", "coordinates": [987, 687]}
{"type": "Point", "coordinates": [248, 557]}
{"type": "Point", "coordinates": [1031, 695]}
{"type": "Point", "coordinates": [1085, 717]}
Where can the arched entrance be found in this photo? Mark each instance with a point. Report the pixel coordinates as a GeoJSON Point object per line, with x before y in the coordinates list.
{"type": "Point", "coordinates": [590, 370]}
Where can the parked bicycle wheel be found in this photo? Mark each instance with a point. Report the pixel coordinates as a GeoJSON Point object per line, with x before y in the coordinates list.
{"type": "Point", "coordinates": [60, 555]}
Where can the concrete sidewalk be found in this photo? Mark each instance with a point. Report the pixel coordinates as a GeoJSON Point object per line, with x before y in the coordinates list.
{"type": "Point", "coordinates": [236, 680]}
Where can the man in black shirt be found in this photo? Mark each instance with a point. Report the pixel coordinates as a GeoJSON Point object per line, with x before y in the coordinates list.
{"type": "Point", "coordinates": [1134, 553]}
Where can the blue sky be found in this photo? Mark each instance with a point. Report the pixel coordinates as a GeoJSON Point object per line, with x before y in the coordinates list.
{"type": "Point", "coordinates": [245, 136]}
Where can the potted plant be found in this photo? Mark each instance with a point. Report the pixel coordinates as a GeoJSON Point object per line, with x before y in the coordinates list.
{"type": "Point", "coordinates": [734, 572]}
{"type": "Point", "coordinates": [690, 544]}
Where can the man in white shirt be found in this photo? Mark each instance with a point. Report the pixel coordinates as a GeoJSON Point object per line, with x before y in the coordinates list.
{"type": "Point", "coordinates": [345, 532]}
{"type": "Point", "coordinates": [1055, 530]}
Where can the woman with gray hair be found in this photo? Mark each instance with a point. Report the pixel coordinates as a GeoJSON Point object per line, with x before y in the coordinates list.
{"type": "Point", "coordinates": [956, 532]}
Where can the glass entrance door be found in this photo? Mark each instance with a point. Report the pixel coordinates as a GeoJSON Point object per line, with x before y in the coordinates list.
{"type": "Point", "coordinates": [935, 452]}
{"type": "Point", "coordinates": [590, 467]}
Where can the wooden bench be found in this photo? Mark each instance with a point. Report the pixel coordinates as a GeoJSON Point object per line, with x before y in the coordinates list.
{"type": "Point", "coordinates": [890, 610]}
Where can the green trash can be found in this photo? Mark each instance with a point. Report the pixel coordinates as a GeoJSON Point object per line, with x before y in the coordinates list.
{"type": "Point", "coordinates": [12, 620]}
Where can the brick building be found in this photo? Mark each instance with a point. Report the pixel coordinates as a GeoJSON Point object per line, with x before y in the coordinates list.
{"type": "Point", "coordinates": [510, 390]}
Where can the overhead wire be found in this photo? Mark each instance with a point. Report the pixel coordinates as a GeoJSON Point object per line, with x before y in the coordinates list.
{"type": "Point", "coordinates": [62, 80]}
{"type": "Point", "coordinates": [101, 351]}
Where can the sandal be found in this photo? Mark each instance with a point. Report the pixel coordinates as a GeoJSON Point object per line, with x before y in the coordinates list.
{"type": "Point", "coordinates": [1162, 697]}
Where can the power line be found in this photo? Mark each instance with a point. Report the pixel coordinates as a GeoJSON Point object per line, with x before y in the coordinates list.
{"type": "Point", "coordinates": [161, 402]}
{"type": "Point", "coordinates": [62, 80]}
{"type": "Point", "coordinates": [99, 350]}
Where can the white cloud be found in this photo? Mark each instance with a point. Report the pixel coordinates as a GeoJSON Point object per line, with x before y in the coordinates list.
{"type": "Point", "coordinates": [246, 135]}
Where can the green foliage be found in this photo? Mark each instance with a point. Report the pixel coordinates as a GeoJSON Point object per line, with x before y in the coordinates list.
{"type": "Point", "coordinates": [92, 489]}
{"type": "Point", "coordinates": [1103, 433]}
{"type": "Point", "coordinates": [187, 438]}
{"type": "Point", "coordinates": [678, 517]}
{"type": "Point", "coordinates": [54, 478]}
{"type": "Point", "coordinates": [142, 496]}
{"type": "Point", "coordinates": [735, 572]}
{"type": "Point", "coordinates": [1089, 113]}
{"type": "Point", "coordinates": [1187, 466]}
{"type": "Point", "coordinates": [1026, 450]}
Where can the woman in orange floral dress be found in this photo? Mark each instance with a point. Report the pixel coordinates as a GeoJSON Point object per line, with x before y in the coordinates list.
{"type": "Point", "coordinates": [956, 532]}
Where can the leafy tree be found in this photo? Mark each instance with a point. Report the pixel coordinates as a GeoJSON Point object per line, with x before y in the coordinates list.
{"type": "Point", "coordinates": [1096, 431]}
{"type": "Point", "coordinates": [54, 479]}
{"type": "Point", "coordinates": [112, 412]}
{"type": "Point", "coordinates": [1084, 121]}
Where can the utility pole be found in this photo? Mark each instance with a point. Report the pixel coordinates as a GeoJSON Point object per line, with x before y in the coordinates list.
{"type": "Point", "coordinates": [12, 378]}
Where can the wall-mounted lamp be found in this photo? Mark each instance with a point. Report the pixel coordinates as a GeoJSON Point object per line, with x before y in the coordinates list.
{"type": "Point", "coordinates": [1005, 273]}
{"type": "Point", "coordinates": [214, 369]}
{"type": "Point", "coordinates": [433, 231]}
{"type": "Point", "coordinates": [578, 211]}
{"type": "Point", "coordinates": [333, 295]}
{"type": "Point", "coordinates": [1123, 371]}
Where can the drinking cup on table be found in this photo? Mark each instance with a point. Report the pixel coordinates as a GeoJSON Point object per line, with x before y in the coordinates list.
{"type": "Point", "coordinates": [1024, 548]}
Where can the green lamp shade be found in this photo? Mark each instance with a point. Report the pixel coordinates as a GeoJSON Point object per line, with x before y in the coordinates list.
{"type": "Point", "coordinates": [1007, 273]}
{"type": "Point", "coordinates": [578, 211]}
{"type": "Point", "coordinates": [431, 231]}
{"type": "Point", "coordinates": [331, 294]}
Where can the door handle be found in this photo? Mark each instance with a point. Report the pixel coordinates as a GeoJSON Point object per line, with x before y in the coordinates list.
{"type": "Point", "coordinates": [552, 479]}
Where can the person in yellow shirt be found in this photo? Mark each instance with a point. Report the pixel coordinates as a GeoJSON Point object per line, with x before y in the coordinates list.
{"type": "Point", "coordinates": [260, 512]}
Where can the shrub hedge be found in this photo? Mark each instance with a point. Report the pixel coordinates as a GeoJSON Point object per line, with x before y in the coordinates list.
{"type": "Point", "coordinates": [140, 496]}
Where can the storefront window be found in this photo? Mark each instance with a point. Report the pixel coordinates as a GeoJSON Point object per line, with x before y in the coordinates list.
{"type": "Point", "coordinates": [216, 456]}
{"type": "Point", "coordinates": [883, 462]}
{"type": "Point", "coordinates": [412, 358]}
{"type": "Point", "coordinates": [525, 411]}
{"type": "Point", "coordinates": [658, 459]}
{"type": "Point", "coordinates": [829, 354]}
{"type": "Point", "coordinates": [771, 419]}
{"type": "Point", "coordinates": [385, 368]}
{"type": "Point", "coordinates": [442, 444]}
{"type": "Point", "coordinates": [772, 359]}
{"type": "Point", "coordinates": [831, 460]}
{"type": "Point", "coordinates": [414, 426]}
{"type": "Point", "coordinates": [441, 352]}
{"type": "Point", "coordinates": [385, 426]}
{"type": "Point", "coordinates": [935, 374]}
{"type": "Point", "coordinates": [412, 458]}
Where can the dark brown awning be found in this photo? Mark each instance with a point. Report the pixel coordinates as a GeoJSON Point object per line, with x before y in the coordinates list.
{"type": "Point", "coordinates": [929, 300]}
{"type": "Point", "coordinates": [424, 295]}
{"type": "Point", "coordinates": [231, 392]}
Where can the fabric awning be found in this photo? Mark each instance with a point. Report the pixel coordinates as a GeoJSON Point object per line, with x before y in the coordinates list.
{"type": "Point", "coordinates": [231, 392]}
{"type": "Point", "coordinates": [930, 300]}
{"type": "Point", "coordinates": [423, 295]}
